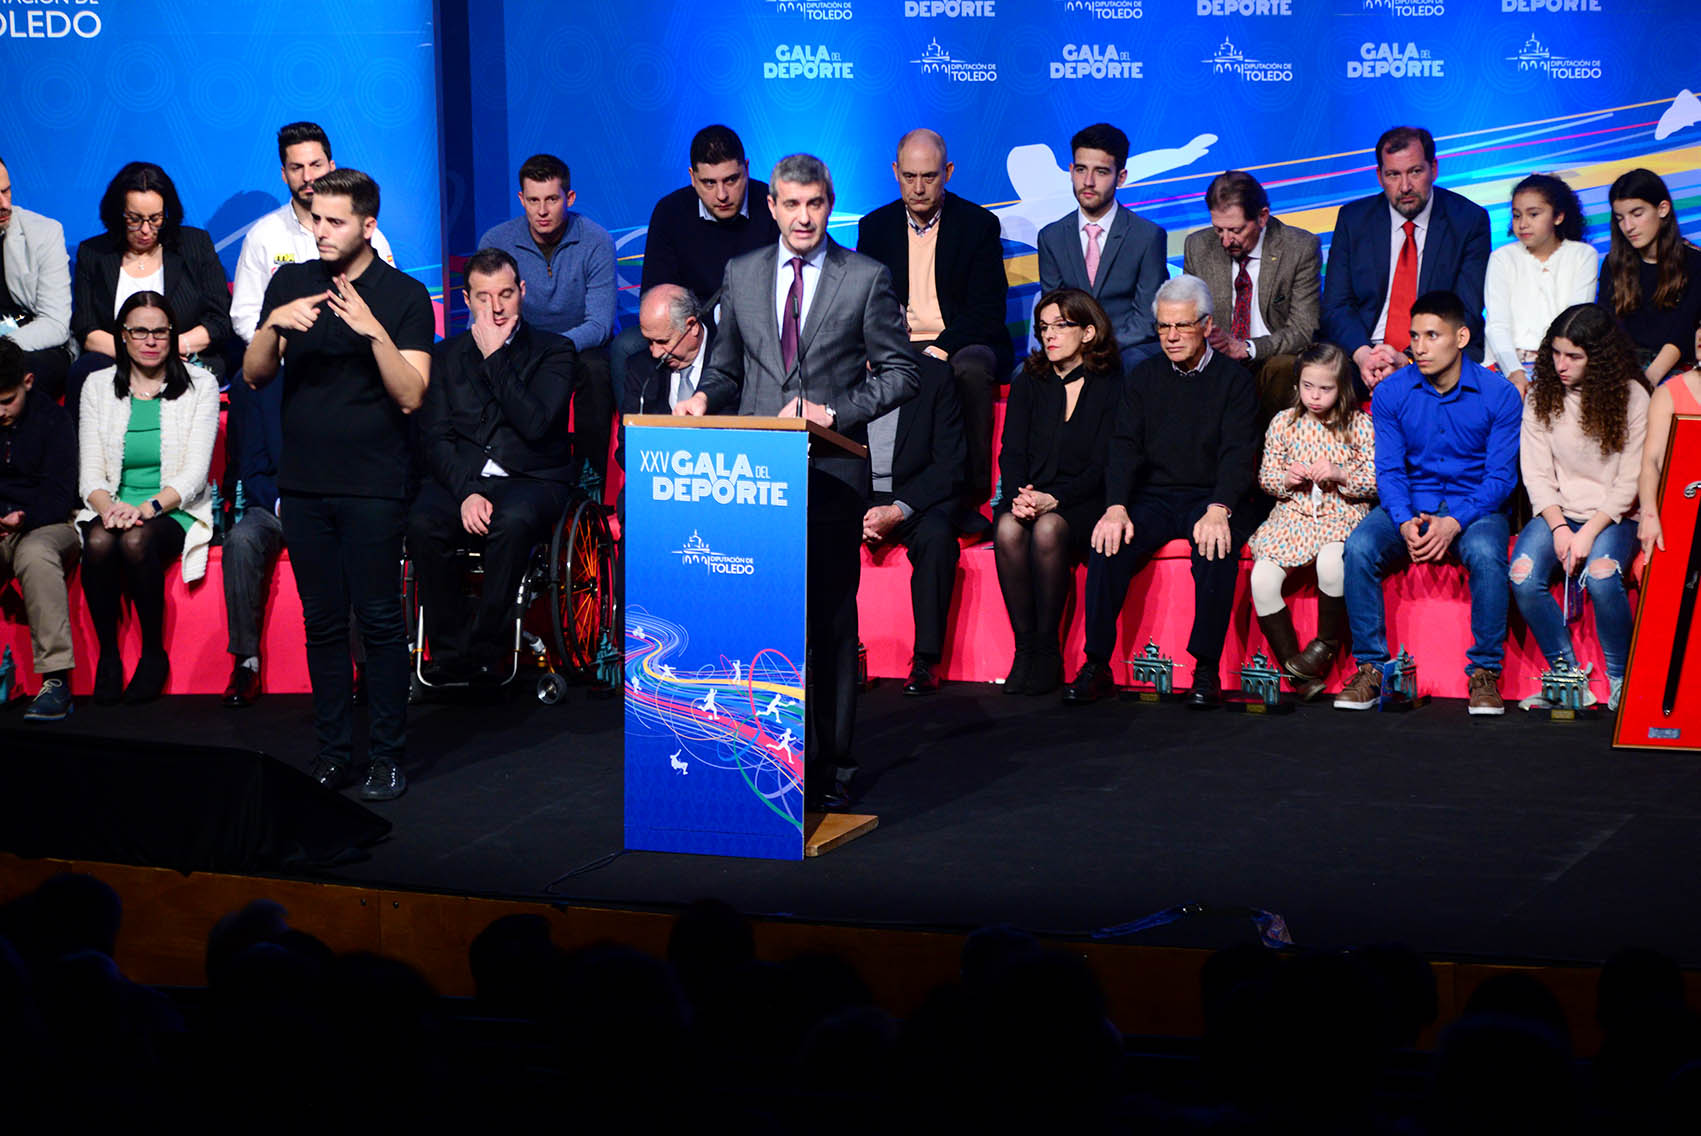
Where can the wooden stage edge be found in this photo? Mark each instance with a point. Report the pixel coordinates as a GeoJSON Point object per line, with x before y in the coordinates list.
{"type": "Point", "coordinates": [1150, 990]}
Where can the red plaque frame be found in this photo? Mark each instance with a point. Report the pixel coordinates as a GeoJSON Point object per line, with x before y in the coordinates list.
{"type": "Point", "coordinates": [1641, 723]}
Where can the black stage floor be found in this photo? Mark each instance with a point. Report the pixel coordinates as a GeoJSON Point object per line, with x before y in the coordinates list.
{"type": "Point", "coordinates": [1465, 836]}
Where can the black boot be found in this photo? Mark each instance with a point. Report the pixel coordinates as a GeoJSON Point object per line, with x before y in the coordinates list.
{"type": "Point", "coordinates": [1284, 646]}
{"type": "Point", "coordinates": [1016, 682]}
{"type": "Point", "coordinates": [1045, 672]}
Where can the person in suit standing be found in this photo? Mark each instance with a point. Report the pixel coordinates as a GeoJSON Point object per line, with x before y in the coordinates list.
{"type": "Point", "coordinates": [916, 456]}
{"type": "Point", "coordinates": [814, 330]}
{"type": "Point", "coordinates": [1265, 277]}
{"type": "Point", "coordinates": [947, 263]}
{"type": "Point", "coordinates": [1113, 254]}
{"type": "Point", "coordinates": [1411, 239]}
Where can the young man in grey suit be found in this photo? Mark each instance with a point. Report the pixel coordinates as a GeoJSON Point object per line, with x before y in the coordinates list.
{"type": "Point", "coordinates": [814, 330]}
{"type": "Point", "coordinates": [1112, 253]}
{"type": "Point", "coordinates": [1265, 281]}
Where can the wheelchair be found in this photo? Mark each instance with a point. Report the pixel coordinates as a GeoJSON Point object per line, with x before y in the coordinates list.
{"type": "Point", "coordinates": [564, 624]}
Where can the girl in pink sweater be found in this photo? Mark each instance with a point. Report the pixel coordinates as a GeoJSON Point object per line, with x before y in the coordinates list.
{"type": "Point", "coordinates": [1581, 451]}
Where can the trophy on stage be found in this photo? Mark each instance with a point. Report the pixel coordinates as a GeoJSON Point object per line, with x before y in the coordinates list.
{"type": "Point", "coordinates": [1399, 684]}
{"type": "Point", "coordinates": [1563, 690]}
{"type": "Point", "coordinates": [8, 678]}
{"type": "Point", "coordinates": [1260, 689]}
{"type": "Point", "coordinates": [1153, 668]}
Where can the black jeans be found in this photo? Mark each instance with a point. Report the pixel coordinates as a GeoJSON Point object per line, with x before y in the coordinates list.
{"type": "Point", "coordinates": [524, 512]}
{"type": "Point", "coordinates": [348, 551]}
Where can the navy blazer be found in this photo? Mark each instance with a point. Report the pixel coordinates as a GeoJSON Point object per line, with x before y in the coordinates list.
{"type": "Point", "coordinates": [968, 272]}
{"type": "Point", "coordinates": [1455, 259]}
{"type": "Point", "coordinates": [1131, 267]}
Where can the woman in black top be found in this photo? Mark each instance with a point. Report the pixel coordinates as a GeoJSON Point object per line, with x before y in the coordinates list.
{"type": "Point", "coordinates": [1651, 277]}
{"type": "Point", "coordinates": [146, 246]}
{"type": "Point", "coordinates": [1057, 427]}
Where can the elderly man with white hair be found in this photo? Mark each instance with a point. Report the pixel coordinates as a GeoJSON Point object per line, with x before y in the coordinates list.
{"type": "Point", "coordinates": [1183, 455]}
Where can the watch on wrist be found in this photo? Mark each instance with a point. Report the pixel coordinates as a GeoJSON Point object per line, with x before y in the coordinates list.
{"type": "Point", "coordinates": [158, 510]}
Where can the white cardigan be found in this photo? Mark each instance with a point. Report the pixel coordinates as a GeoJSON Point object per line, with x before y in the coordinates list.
{"type": "Point", "coordinates": [188, 426]}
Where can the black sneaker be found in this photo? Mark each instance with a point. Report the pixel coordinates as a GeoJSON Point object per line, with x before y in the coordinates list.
{"type": "Point", "coordinates": [384, 781]}
{"type": "Point", "coordinates": [52, 703]}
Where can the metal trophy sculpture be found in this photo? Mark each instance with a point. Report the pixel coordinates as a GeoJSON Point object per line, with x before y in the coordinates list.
{"type": "Point", "coordinates": [1153, 668]}
{"type": "Point", "coordinates": [1564, 689]}
{"type": "Point", "coordinates": [1260, 689]}
{"type": "Point", "coordinates": [8, 679]}
{"type": "Point", "coordinates": [1399, 684]}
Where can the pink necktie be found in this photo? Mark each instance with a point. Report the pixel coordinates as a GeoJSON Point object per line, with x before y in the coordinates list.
{"type": "Point", "coordinates": [1093, 232]}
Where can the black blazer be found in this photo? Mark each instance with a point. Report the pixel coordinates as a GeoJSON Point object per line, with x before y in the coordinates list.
{"type": "Point", "coordinates": [968, 271]}
{"type": "Point", "coordinates": [930, 453]}
{"type": "Point", "coordinates": [194, 285]}
{"type": "Point", "coordinates": [511, 407]}
{"type": "Point", "coordinates": [649, 380]}
{"type": "Point", "coordinates": [1033, 431]}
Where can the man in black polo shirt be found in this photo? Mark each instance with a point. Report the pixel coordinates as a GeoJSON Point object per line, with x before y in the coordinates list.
{"type": "Point", "coordinates": [357, 337]}
{"type": "Point", "coordinates": [1183, 454]}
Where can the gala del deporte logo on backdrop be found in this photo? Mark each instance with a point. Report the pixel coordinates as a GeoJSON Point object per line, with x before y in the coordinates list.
{"type": "Point", "coordinates": [935, 60]}
{"type": "Point", "coordinates": [1231, 60]}
{"type": "Point", "coordinates": [49, 19]}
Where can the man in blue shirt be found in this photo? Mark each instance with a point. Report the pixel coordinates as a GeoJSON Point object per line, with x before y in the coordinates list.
{"type": "Point", "coordinates": [1446, 460]}
{"type": "Point", "coordinates": [567, 265]}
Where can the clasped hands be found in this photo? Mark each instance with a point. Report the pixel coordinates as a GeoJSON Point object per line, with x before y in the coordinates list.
{"type": "Point", "coordinates": [1320, 471]}
{"type": "Point", "coordinates": [1030, 503]}
{"type": "Point", "coordinates": [1211, 535]}
{"type": "Point", "coordinates": [1428, 537]}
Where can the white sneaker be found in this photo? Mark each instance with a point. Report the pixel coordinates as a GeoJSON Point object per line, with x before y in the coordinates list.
{"type": "Point", "coordinates": [1615, 691]}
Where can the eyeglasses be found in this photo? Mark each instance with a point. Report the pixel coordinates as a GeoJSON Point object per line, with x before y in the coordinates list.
{"type": "Point", "coordinates": [141, 333]}
{"type": "Point", "coordinates": [1061, 325]}
{"type": "Point", "coordinates": [1166, 328]}
{"type": "Point", "coordinates": [134, 221]}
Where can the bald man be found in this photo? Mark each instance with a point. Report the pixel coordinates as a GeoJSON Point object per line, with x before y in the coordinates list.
{"type": "Point", "coordinates": [678, 340]}
{"type": "Point", "coordinates": [947, 265]}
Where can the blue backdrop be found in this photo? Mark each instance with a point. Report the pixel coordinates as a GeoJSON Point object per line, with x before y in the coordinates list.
{"type": "Point", "coordinates": [201, 86]}
{"type": "Point", "coordinates": [1294, 90]}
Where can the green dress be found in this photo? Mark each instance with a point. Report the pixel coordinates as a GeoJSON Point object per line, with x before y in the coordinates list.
{"type": "Point", "coordinates": [139, 482]}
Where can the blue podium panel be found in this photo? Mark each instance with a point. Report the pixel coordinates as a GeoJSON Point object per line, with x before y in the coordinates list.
{"type": "Point", "coordinates": [716, 540]}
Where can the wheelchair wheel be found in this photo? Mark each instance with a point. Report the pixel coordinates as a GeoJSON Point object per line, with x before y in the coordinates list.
{"type": "Point", "coordinates": [581, 585]}
{"type": "Point", "coordinates": [551, 688]}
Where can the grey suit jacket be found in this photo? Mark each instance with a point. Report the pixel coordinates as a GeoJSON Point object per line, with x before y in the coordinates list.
{"type": "Point", "coordinates": [38, 273]}
{"type": "Point", "coordinates": [1131, 267]}
{"type": "Point", "coordinates": [1290, 284]}
{"type": "Point", "coordinates": [853, 355]}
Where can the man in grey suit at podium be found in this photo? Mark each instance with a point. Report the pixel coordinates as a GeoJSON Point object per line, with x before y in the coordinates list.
{"type": "Point", "coordinates": [813, 330]}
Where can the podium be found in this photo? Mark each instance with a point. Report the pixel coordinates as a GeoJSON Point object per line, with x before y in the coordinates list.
{"type": "Point", "coordinates": [716, 554]}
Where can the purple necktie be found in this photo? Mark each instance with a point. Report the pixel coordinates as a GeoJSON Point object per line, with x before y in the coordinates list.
{"type": "Point", "coordinates": [788, 324]}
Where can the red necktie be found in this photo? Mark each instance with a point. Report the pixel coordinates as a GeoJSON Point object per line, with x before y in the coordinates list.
{"type": "Point", "coordinates": [1241, 325]}
{"type": "Point", "coordinates": [1403, 294]}
{"type": "Point", "coordinates": [788, 324]}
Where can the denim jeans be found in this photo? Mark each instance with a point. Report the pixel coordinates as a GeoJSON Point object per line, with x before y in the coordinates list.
{"type": "Point", "coordinates": [1375, 549]}
{"type": "Point", "coordinates": [1615, 543]}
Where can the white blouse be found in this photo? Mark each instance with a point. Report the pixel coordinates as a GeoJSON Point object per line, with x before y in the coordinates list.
{"type": "Point", "coordinates": [1523, 295]}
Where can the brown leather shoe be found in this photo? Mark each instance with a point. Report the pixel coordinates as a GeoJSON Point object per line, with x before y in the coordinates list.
{"type": "Point", "coordinates": [1485, 693]}
{"type": "Point", "coordinates": [1362, 690]}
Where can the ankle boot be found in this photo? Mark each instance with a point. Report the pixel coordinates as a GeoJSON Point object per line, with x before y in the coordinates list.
{"type": "Point", "coordinates": [1314, 661]}
{"type": "Point", "coordinates": [1284, 645]}
{"type": "Point", "coordinates": [1045, 671]}
{"type": "Point", "coordinates": [1016, 682]}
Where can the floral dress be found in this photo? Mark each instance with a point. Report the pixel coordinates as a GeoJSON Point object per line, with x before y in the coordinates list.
{"type": "Point", "coordinates": [1307, 517]}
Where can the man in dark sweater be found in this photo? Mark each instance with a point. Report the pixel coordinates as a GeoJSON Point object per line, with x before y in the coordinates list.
{"type": "Point", "coordinates": [1183, 456]}
{"type": "Point", "coordinates": [38, 545]}
{"type": "Point", "coordinates": [697, 228]}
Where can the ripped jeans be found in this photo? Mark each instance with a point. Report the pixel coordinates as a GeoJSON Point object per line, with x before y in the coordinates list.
{"type": "Point", "coordinates": [1534, 566]}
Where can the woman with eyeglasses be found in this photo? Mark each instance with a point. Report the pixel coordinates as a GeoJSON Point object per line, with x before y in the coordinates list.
{"type": "Point", "coordinates": [146, 247]}
{"type": "Point", "coordinates": [145, 442]}
{"type": "Point", "coordinates": [1051, 463]}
